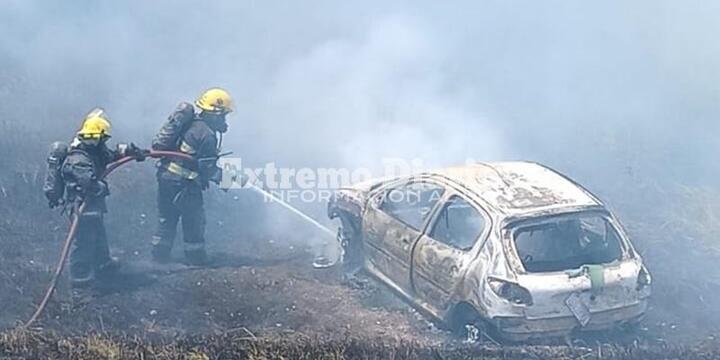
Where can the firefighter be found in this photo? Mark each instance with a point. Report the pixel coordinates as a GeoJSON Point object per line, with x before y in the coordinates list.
{"type": "Point", "coordinates": [81, 171]}
{"type": "Point", "coordinates": [181, 182]}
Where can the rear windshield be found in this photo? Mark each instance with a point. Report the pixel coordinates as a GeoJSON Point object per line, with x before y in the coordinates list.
{"type": "Point", "coordinates": [566, 242]}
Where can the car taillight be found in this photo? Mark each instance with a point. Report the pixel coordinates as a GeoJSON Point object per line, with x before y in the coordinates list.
{"type": "Point", "coordinates": [644, 279]}
{"type": "Point", "coordinates": [510, 291]}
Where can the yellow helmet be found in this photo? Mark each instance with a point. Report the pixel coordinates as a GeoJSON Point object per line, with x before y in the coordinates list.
{"type": "Point", "coordinates": [215, 100]}
{"type": "Point", "coordinates": [95, 126]}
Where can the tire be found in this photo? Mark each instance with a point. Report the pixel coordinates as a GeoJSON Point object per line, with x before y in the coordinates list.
{"type": "Point", "coordinates": [467, 324]}
{"type": "Point", "coordinates": [462, 315]}
{"type": "Point", "coordinates": [632, 328]}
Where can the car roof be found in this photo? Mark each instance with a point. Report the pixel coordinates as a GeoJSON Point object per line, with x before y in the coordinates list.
{"type": "Point", "coordinates": [517, 188]}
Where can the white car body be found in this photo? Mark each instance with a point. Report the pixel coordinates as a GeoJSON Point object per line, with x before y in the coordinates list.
{"type": "Point", "coordinates": [496, 211]}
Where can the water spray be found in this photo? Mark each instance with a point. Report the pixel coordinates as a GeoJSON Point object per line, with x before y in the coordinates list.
{"type": "Point", "coordinates": [321, 261]}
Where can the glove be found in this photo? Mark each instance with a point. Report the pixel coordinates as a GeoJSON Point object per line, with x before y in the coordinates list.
{"type": "Point", "coordinates": [102, 189]}
{"type": "Point", "coordinates": [216, 175]}
{"type": "Point", "coordinates": [133, 150]}
{"type": "Point", "coordinates": [138, 153]}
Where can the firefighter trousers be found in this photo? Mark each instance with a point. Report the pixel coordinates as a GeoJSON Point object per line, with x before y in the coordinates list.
{"type": "Point", "coordinates": [180, 201]}
{"type": "Point", "coordinates": [90, 251]}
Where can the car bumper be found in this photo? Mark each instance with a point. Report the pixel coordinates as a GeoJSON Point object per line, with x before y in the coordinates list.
{"type": "Point", "coordinates": [520, 328]}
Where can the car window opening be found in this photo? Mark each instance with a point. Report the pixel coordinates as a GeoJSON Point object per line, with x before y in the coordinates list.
{"type": "Point", "coordinates": [459, 224]}
{"type": "Point", "coordinates": [567, 243]}
{"type": "Point", "coordinates": [412, 203]}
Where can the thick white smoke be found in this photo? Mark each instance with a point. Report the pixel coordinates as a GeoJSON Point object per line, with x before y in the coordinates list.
{"type": "Point", "coordinates": [598, 90]}
{"type": "Point", "coordinates": [381, 94]}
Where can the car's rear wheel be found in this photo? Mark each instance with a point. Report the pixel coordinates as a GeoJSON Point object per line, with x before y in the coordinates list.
{"type": "Point", "coordinates": [632, 327]}
{"type": "Point", "coordinates": [467, 324]}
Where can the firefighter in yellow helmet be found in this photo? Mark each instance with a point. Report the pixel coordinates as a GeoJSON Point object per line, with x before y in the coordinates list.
{"type": "Point", "coordinates": [193, 130]}
{"type": "Point", "coordinates": [82, 167]}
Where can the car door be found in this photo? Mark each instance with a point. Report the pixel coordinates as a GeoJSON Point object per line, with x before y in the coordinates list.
{"type": "Point", "coordinates": [393, 223]}
{"type": "Point", "coordinates": [443, 254]}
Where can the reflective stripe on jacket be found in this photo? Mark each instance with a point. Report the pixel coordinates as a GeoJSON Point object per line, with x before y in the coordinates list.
{"type": "Point", "coordinates": [200, 141]}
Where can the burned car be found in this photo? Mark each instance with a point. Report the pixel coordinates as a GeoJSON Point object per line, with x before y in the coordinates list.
{"type": "Point", "coordinates": [510, 247]}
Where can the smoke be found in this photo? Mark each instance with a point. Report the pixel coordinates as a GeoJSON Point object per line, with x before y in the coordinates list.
{"type": "Point", "coordinates": [382, 94]}
{"type": "Point", "coordinates": [622, 96]}
{"type": "Point", "coordinates": [599, 91]}
{"type": "Point", "coordinates": [615, 83]}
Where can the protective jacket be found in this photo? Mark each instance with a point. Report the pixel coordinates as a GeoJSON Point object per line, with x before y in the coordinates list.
{"type": "Point", "coordinates": [200, 141]}
{"type": "Point", "coordinates": [82, 173]}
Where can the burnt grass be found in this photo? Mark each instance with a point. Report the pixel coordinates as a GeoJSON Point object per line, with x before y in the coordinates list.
{"type": "Point", "coordinates": [261, 299]}
{"type": "Point", "coordinates": [50, 345]}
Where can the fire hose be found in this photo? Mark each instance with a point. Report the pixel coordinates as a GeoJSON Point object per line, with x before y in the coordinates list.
{"type": "Point", "coordinates": [76, 219]}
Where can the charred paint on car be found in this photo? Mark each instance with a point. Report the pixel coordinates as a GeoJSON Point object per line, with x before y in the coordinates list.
{"type": "Point", "coordinates": [578, 269]}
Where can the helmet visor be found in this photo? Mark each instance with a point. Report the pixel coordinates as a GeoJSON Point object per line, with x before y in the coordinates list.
{"type": "Point", "coordinates": [96, 136]}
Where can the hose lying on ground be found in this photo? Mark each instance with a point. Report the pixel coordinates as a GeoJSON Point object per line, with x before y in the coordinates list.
{"type": "Point", "coordinates": [73, 228]}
